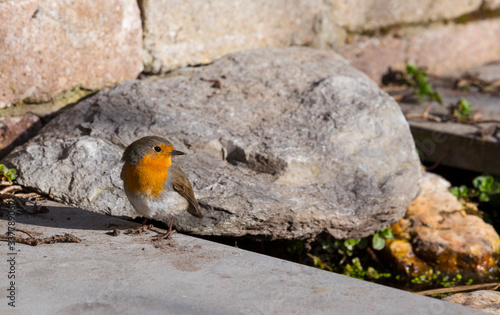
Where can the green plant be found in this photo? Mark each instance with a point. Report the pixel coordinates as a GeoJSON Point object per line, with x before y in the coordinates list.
{"type": "Point", "coordinates": [347, 247]}
{"type": "Point", "coordinates": [355, 270]}
{"type": "Point", "coordinates": [462, 192]}
{"type": "Point", "coordinates": [417, 78]}
{"type": "Point", "coordinates": [485, 187]}
{"type": "Point", "coordinates": [351, 257]}
{"type": "Point", "coordinates": [378, 240]}
{"type": "Point", "coordinates": [7, 174]}
{"type": "Point", "coordinates": [463, 111]}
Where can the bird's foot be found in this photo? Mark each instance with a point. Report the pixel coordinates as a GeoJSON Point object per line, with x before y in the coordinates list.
{"type": "Point", "coordinates": [170, 231]}
{"type": "Point", "coordinates": [141, 229]}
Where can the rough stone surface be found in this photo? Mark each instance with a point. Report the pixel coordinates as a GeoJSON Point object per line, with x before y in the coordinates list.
{"type": "Point", "coordinates": [437, 233]}
{"type": "Point", "coordinates": [491, 4]}
{"type": "Point", "coordinates": [288, 143]}
{"type": "Point", "coordinates": [51, 46]}
{"type": "Point", "coordinates": [180, 33]}
{"type": "Point", "coordinates": [487, 301]}
{"type": "Point", "coordinates": [358, 15]}
{"type": "Point", "coordinates": [439, 49]}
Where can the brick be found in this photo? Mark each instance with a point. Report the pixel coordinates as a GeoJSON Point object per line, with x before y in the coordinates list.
{"type": "Point", "coordinates": [456, 47]}
{"type": "Point", "coordinates": [440, 49]}
{"type": "Point", "coordinates": [358, 15]}
{"type": "Point", "coordinates": [180, 33]}
{"type": "Point", "coordinates": [51, 46]}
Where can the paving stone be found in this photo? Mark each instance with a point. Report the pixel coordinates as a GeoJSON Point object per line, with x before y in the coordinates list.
{"type": "Point", "coordinates": [455, 144]}
{"type": "Point", "coordinates": [132, 274]}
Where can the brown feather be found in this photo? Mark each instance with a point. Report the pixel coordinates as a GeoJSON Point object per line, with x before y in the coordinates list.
{"type": "Point", "coordinates": [181, 184]}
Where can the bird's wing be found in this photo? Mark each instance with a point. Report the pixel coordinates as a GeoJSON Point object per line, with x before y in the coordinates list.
{"type": "Point", "coordinates": [122, 174]}
{"type": "Point", "coordinates": [183, 186]}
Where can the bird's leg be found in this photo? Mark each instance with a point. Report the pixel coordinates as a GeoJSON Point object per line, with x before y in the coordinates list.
{"type": "Point", "coordinates": [140, 229]}
{"type": "Point", "coordinates": [170, 231]}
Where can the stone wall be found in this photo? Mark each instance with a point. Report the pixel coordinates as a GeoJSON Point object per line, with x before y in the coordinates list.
{"type": "Point", "coordinates": [50, 48]}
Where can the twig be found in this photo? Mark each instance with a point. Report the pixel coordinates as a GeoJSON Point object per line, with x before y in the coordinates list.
{"type": "Point", "coordinates": [19, 203]}
{"type": "Point", "coordinates": [66, 238]}
{"type": "Point", "coordinates": [463, 288]}
{"type": "Point", "coordinates": [10, 188]}
{"type": "Point", "coordinates": [424, 117]}
{"type": "Point", "coordinates": [5, 183]}
{"type": "Point", "coordinates": [438, 162]}
{"type": "Point", "coordinates": [27, 195]}
{"type": "Point", "coordinates": [25, 232]}
{"type": "Point", "coordinates": [216, 83]}
{"type": "Point", "coordinates": [320, 263]}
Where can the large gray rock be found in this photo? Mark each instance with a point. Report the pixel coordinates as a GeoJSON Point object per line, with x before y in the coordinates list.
{"type": "Point", "coordinates": [295, 142]}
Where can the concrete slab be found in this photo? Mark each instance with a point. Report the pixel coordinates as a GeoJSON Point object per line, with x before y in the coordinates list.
{"type": "Point", "coordinates": [455, 144]}
{"type": "Point", "coordinates": [489, 72]}
{"type": "Point", "coordinates": [130, 274]}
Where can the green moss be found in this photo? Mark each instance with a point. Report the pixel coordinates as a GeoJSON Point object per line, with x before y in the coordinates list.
{"type": "Point", "coordinates": [43, 108]}
{"type": "Point", "coordinates": [477, 15]}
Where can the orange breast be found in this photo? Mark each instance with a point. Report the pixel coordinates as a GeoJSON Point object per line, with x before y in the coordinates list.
{"type": "Point", "coordinates": [149, 177]}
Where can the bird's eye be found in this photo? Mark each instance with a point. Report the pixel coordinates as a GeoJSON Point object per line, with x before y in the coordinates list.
{"type": "Point", "coordinates": [157, 149]}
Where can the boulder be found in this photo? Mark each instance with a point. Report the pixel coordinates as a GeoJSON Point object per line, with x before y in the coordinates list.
{"type": "Point", "coordinates": [281, 143]}
{"type": "Point", "coordinates": [439, 235]}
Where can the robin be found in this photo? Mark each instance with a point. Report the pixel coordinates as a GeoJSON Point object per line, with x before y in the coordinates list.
{"type": "Point", "coordinates": [155, 186]}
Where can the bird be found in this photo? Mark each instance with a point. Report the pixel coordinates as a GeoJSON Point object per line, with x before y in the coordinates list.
{"type": "Point", "coordinates": [154, 184]}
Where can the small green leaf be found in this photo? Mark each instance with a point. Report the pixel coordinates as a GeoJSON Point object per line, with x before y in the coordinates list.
{"type": "Point", "coordinates": [349, 244]}
{"type": "Point", "coordinates": [387, 233]}
{"type": "Point", "coordinates": [378, 242]}
{"type": "Point", "coordinates": [483, 197]}
{"type": "Point", "coordinates": [9, 174]}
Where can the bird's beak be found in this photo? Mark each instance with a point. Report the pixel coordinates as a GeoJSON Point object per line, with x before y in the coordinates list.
{"type": "Point", "coordinates": [175, 152]}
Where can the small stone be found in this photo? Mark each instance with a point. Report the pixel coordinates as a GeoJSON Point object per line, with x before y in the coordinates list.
{"type": "Point", "coordinates": [484, 300]}
{"type": "Point", "coordinates": [115, 232]}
